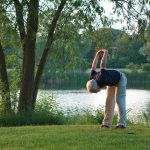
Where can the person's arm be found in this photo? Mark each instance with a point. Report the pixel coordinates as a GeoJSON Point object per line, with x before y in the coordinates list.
{"type": "Point", "coordinates": [95, 60]}
{"type": "Point", "coordinates": [104, 59]}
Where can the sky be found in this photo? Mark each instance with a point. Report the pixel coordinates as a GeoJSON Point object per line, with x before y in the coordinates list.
{"type": "Point", "coordinates": [108, 6]}
{"type": "Point", "coordinates": [108, 12]}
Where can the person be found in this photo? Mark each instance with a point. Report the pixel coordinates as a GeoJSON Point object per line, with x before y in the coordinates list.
{"type": "Point", "coordinates": [115, 82]}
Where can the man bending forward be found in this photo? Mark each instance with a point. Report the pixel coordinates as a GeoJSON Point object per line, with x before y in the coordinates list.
{"type": "Point", "coordinates": [116, 90]}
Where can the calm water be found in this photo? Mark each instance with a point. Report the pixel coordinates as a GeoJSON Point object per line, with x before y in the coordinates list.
{"type": "Point", "coordinates": [136, 99]}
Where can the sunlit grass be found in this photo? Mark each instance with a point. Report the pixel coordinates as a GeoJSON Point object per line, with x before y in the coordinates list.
{"type": "Point", "coordinates": [86, 137]}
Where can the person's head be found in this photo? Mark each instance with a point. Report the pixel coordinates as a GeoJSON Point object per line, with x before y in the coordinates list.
{"type": "Point", "coordinates": [92, 86]}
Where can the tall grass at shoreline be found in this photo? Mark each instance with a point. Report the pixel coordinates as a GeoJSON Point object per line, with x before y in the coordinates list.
{"type": "Point", "coordinates": [47, 112]}
{"type": "Point", "coordinates": [73, 117]}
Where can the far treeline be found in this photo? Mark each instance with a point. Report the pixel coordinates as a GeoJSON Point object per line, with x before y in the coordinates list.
{"type": "Point", "coordinates": [129, 53]}
{"type": "Point", "coordinates": [54, 41]}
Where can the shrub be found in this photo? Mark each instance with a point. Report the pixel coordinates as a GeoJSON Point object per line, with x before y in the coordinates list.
{"type": "Point", "coordinates": [145, 67]}
{"type": "Point", "coordinates": [83, 116]}
{"type": "Point", "coordinates": [99, 115]}
{"type": "Point", "coordinates": [132, 66]}
{"type": "Point", "coordinates": [146, 114]}
{"type": "Point", "coordinates": [48, 112]}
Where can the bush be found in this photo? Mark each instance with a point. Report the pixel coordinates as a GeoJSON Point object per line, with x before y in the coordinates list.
{"type": "Point", "coordinates": [146, 114]}
{"type": "Point", "coordinates": [84, 116]}
{"type": "Point", "coordinates": [48, 112]}
{"type": "Point", "coordinates": [145, 67]}
{"type": "Point", "coordinates": [50, 116]}
{"type": "Point", "coordinates": [132, 66]}
{"type": "Point", "coordinates": [99, 115]}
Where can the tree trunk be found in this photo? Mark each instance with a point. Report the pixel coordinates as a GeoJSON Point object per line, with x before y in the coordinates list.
{"type": "Point", "coordinates": [47, 47]}
{"type": "Point", "coordinates": [26, 90]}
{"type": "Point", "coordinates": [28, 44]}
{"type": "Point", "coordinates": [5, 91]}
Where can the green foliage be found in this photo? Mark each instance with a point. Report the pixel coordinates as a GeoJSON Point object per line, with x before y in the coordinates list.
{"type": "Point", "coordinates": [46, 104]}
{"type": "Point", "coordinates": [71, 43]}
{"type": "Point", "coordinates": [71, 80]}
{"type": "Point", "coordinates": [145, 49]}
{"type": "Point", "coordinates": [122, 47]}
{"type": "Point", "coordinates": [76, 116]}
{"type": "Point", "coordinates": [146, 67]}
{"type": "Point", "coordinates": [71, 16]}
{"type": "Point", "coordinates": [99, 115]}
{"type": "Point", "coordinates": [3, 97]}
{"type": "Point", "coordinates": [103, 38]}
{"type": "Point", "coordinates": [72, 47]}
{"type": "Point", "coordinates": [147, 34]}
{"type": "Point", "coordinates": [128, 50]}
{"type": "Point", "coordinates": [137, 78]}
{"type": "Point", "coordinates": [9, 36]}
{"type": "Point", "coordinates": [47, 111]}
{"type": "Point", "coordinates": [84, 116]}
{"type": "Point", "coordinates": [14, 79]}
{"type": "Point", "coordinates": [132, 66]}
{"type": "Point", "coordinates": [146, 114]}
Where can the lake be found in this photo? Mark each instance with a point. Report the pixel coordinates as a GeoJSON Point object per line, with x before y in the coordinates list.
{"type": "Point", "coordinates": [136, 99]}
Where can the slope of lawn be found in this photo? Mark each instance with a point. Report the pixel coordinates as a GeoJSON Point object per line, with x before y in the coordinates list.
{"type": "Point", "coordinates": [76, 137]}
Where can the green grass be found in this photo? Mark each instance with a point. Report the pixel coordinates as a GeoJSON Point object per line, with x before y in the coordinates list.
{"type": "Point", "coordinates": [74, 137]}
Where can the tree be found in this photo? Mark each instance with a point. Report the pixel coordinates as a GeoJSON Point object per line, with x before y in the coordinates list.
{"type": "Point", "coordinates": [7, 38]}
{"type": "Point", "coordinates": [27, 15]}
{"type": "Point", "coordinates": [5, 90]}
{"type": "Point", "coordinates": [145, 50]}
{"type": "Point", "coordinates": [82, 12]}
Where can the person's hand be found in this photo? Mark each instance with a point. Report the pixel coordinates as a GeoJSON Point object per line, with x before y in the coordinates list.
{"type": "Point", "coordinates": [105, 50]}
{"type": "Point", "coordinates": [99, 52]}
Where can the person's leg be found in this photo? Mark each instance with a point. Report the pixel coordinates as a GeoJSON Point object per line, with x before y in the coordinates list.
{"type": "Point", "coordinates": [109, 106]}
{"type": "Point", "coordinates": [121, 101]}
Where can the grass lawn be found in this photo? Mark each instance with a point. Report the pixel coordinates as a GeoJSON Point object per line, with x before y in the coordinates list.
{"type": "Point", "coordinates": [74, 137]}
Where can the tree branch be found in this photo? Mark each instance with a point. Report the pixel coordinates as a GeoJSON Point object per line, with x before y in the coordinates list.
{"type": "Point", "coordinates": [47, 47]}
{"type": "Point", "coordinates": [54, 22]}
{"type": "Point", "coordinates": [20, 19]}
{"type": "Point", "coordinates": [121, 5]}
{"type": "Point", "coordinates": [32, 21]}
